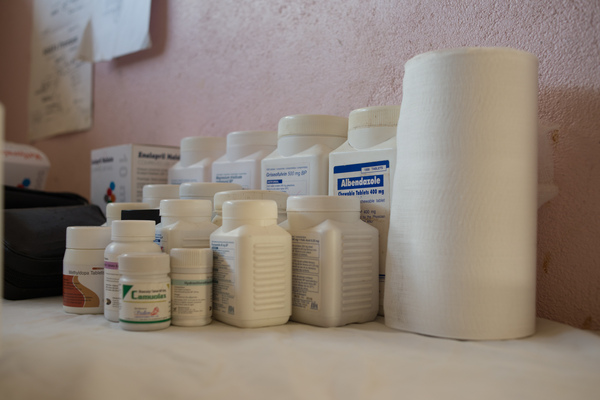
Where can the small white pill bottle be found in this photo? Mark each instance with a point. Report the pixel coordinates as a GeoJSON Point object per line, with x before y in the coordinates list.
{"type": "Point", "coordinates": [252, 269]}
{"type": "Point", "coordinates": [364, 167]}
{"type": "Point", "coordinates": [279, 197]}
{"type": "Point", "coordinates": [241, 162]}
{"type": "Point", "coordinates": [191, 286]}
{"type": "Point", "coordinates": [145, 292]}
{"type": "Point", "coordinates": [83, 269]}
{"type": "Point", "coordinates": [129, 236]}
{"type": "Point", "coordinates": [197, 156]}
{"type": "Point", "coordinates": [113, 210]}
{"type": "Point", "coordinates": [334, 263]}
{"type": "Point", "coordinates": [300, 164]}
{"type": "Point", "coordinates": [185, 224]}
{"type": "Point", "coordinates": [153, 194]}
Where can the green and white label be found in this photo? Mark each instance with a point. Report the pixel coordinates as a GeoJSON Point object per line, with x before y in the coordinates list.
{"type": "Point", "coordinates": [145, 303]}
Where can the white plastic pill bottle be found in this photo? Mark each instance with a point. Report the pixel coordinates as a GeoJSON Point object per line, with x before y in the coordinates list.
{"type": "Point", "coordinates": [241, 162]}
{"type": "Point", "coordinates": [251, 266]}
{"type": "Point", "coordinates": [113, 210]}
{"type": "Point", "coordinates": [197, 156]}
{"type": "Point", "coordinates": [129, 236]}
{"type": "Point", "coordinates": [364, 167]}
{"type": "Point", "coordinates": [153, 194]}
{"type": "Point", "coordinates": [191, 286]}
{"type": "Point", "coordinates": [145, 292]}
{"type": "Point", "coordinates": [279, 197]}
{"type": "Point", "coordinates": [83, 269]}
{"type": "Point", "coordinates": [300, 164]}
{"type": "Point", "coordinates": [335, 262]}
{"type": "Point", "coordinates": [185, 224]}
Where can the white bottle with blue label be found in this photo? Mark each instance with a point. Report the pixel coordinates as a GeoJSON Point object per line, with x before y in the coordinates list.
{"type": "Point", "coordinates": [299, 165]}
{"type": "Point", "coordinates": [364, 167]}
{"type": "Point", "coordinates": [241, 162]}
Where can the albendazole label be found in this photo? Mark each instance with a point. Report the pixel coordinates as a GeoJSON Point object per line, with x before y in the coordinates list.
{"type": "Point", "coordinates": [224, 263]}
{"type": "Point", "coordinates": [291, 179]}
{"type": "Point", "coordinates": [145, 303]}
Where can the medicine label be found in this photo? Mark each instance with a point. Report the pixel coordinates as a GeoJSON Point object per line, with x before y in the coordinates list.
{"type": "Point", "coordinates": [224, 264]}
{"type": "Point", "coordinates": [145, 303]}
{"type": "Point", "coordinates": [292, 179]}
{"type": "Point", "coordinates": [306, 271]}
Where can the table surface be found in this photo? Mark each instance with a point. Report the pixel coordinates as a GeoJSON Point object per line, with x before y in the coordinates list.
{"type": "Point", "coordinates": [48, 354]}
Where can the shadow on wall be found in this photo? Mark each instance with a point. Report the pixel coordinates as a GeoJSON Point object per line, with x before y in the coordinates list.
{"type": "Point", "coordinates": [568, 273]}
{"type": "Point", "coordinates": [158, 35]}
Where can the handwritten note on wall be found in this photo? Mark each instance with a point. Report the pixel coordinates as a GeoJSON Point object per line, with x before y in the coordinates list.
{"type": "Point", "coordinates": [67, 35]}
{"type": "Point", "coordinates": [60, 85]}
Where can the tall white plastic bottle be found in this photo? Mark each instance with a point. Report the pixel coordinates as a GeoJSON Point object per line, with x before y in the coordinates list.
{"type": "Point", "coordinates": [279, 197]}
{"type": "Point", "coordinates": [127, 237]}
{"type": "Point", "coordinates": [153, 194]}
{"type": "Point", "coordinates": [300, 164]}
{"type": "Point", "coordinates": [197, 156]}
{"type": "Point", "coordinates": [185, 224]}
{"type": "Point", "coordinates": [363, 167]}
{"type": "Point", "coordinates": [241, 162]}
{"type": "Point", "coordinates": [335, 261]}
{"type": "Point", "coordinates": [252, 266]}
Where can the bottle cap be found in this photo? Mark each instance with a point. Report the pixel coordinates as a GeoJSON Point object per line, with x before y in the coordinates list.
{"type": "Point", "coordinates": [204, 190]}
{"type": "Point", "coordinates": [88, 237]}
{"type": "Point", "coordinates": [191, 259]}
{"type": "Point", "coordinates": [133, 229]}
{"type": "Point", "coordinates": [313, 125]}
{"type": "Point", "coordinates": [147, 263]}
{"type": "Point", "coordinates": [378, 116]}
{"type": "Point", "coordinates": [323, 203]}
{"type": "Point", "coordinates": [250, 209]}
{"type": "Point", "coordinates": [203, 143]}
{"type": "Point", "coordinates": [185, 208]}
{"type": "Point", "coordinates": [279, 197]}
{"type": "Point", "coordinates": [252, 138]}
{"type": "Point", "coordinates": [113, 210]}
{"type": "Point", "coordinates": [160, 191]}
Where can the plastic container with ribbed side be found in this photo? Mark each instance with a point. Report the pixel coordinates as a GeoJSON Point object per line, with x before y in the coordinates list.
{"type": "Point", "coordinates": [364, 166]}
{"type": "Point", "coordinates": [197, 156]}
{"type": "Point", "coordinates": [191, 286]}
{"type": "Point", "coordinates": [145, 292]}
{"type": "Point", "coordinates": [83, 269]}
{"type": "Point", "coordinates": [279, 197]}
{"type": "Point", "coordinates": [300, 164]}
{"type": "Point", "coordinates": [127, 237]}
{"type": "Point", "coordinates": [153, 194]}
{"type": "Point", "coordinates": [241, 162]}
{"type": "Point", "coordinates": [185, 224]}
{"type": "Point", "coordinates": [252, 266]}
{"type": "Point", "coordinates": [114, 210]}
{"type": "Point", "coordinates": [335, 261]}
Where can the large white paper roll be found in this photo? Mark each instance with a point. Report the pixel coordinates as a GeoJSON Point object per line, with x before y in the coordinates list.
{"type": "Point", "coordinates": [462, 239]}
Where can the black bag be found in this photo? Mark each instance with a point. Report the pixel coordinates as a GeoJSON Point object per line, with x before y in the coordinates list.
{"type": "Point", "coordinates": [29, 198]}
{"type": "Point", "coordinates": [34, 247]}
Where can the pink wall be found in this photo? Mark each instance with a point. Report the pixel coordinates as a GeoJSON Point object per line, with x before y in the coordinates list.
{"type": "Point", "coordinates": [219, 66]}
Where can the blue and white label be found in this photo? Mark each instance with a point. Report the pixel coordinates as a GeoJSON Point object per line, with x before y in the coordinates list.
{"type": "Point", "coordinates": [291, 179]}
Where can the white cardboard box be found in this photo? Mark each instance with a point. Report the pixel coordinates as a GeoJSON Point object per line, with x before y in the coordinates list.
{"type": "Point", "coordinates": [120, 172]}
{"type": "Point", "coordinates": [25, 166]}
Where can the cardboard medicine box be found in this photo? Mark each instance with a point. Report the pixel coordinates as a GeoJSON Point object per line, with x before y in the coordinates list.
{"type": "Point", "coordinates": [25, 166]}
{"type": "Point", "coordinates": [119, 173]}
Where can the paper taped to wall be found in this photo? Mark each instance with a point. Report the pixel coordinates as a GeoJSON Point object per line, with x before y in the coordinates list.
{"type": "Point", "coordinates": [60, 85]}
{"type": "Point", "coordinates": [115, 28]}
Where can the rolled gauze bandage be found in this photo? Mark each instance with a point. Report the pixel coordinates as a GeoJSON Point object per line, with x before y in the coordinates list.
{"type": "Point", "coordinates": [462, 239]}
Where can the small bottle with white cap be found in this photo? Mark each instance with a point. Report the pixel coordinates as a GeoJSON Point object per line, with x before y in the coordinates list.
{"type": "Point", "coordinates": [191, 286]}
{"type": "Point", "coordinates": [300, 164]}
{"type": "Point", "coordinates": [252, 266]}
{"type": "Point", "coordinates": [241, 162]}
{"type": "Point", "coordinates": [185, 224]}
{"type": "Point", "coordinates": [197, 154]}
{"type": "Point", "coordinates": [153, 194]}
{"type": "Point", "coordinates": [145, 292]}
